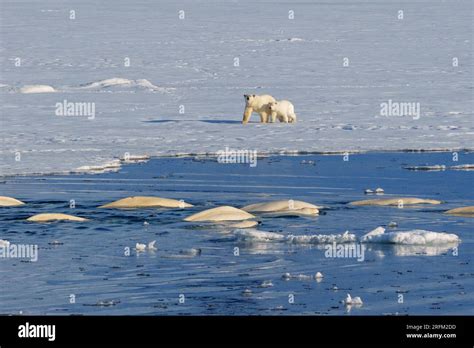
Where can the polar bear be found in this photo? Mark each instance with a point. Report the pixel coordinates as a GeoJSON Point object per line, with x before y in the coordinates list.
{"type": "Point", "coordinates": [283, 110]}
{"type": "Point", "coordinates": [258, 104]}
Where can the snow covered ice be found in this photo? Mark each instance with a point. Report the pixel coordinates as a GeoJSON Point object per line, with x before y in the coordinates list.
{"type": "Point", "coordinates": [253, 235]}
{"type": "Point", "coordinates": [163, 85]}
{"type": "Point", "coordinates": [378, 235]}
{"type": "Point", "coordinates": [414, 237]}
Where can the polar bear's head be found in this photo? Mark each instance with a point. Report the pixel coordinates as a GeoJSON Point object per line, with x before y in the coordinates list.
{"type": "Point", "coordinates": [272, 105]}
{"type": "Point", "coordinates": [249, 98]}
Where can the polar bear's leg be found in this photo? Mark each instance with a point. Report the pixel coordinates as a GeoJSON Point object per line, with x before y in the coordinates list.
{"type": "Point", "coordinates": [274, 116]}
{"type": "Point", "coordinates": [247, 113]}
{"type": "Point", "coordinates": [291, 113]}
{"type": "Point", "coordinates": [283, 118]}
{"type": "Point", "coordinates": [263, 117]}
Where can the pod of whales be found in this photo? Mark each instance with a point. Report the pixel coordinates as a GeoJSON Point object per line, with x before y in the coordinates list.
{"type": "Point", "coordinates": [227, 213]}
{"type": "Point", "coordinates": [146, 202]}
{"type": "Point", "coordinates": [463, 211]}
{"type": "Point", "coordinates": [223, 213]}
{"type": "Point", "coordinates": [9, 202]}
{"type": "Point", "coordinates": [284, 208]}
{"type": "Point", "coordinates": [55, 217]}
{"type": "Point", "coordinates": [395, 201]}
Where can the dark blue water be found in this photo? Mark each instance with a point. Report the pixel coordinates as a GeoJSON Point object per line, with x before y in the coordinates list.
{"type": "Point", "coordinates": [89, 261]}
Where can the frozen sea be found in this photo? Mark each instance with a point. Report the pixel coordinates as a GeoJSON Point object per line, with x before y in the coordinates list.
{"type": "Point", "coordinates": [88, 260]}
{"type": "Point", "coordinates": [197, 68]}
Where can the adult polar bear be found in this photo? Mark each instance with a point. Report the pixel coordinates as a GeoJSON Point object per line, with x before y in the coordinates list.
{"type": "Point", "coordinates": [258, 104]}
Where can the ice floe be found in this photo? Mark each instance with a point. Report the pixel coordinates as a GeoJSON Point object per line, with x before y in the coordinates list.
{"type": "Point", "coordinates": [140, 247]}
{"type": "Point", "coordinates": [345, 237]}
{"type": "Point", "coordinates": [112, 166]}
{"type": "Point", "coordinates": [413, 237]}
{"type": "Point", "coordinates": [288, 276]}
{"type": "Point", "coordinates": [423, 250]}
{"type": "Point", "coordinates": [259, 236]}
{"type": "Point", "coordinates": [377, 191]}
{"type": "Point", "coordinates": [253, 235]}
{"type": "Point", "coordinates": [135, 158]}
{"type": "Point", "coordinates": [349, 300]}
{"type": "Point", "coordinates": [378, 235]}
{"type": "Point", "coordinates": [266, 284]}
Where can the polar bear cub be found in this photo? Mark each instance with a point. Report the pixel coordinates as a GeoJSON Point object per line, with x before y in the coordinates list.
{"type": "Point", "coordinates": [258, 104]}
{"type": "Point", "coordinates": [283, 110]}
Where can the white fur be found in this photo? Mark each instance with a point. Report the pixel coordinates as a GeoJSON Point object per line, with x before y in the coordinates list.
{"type": "Point", "coordinates": [283, 110]}
{"type": "Point", "coordinates": [258, 104]}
